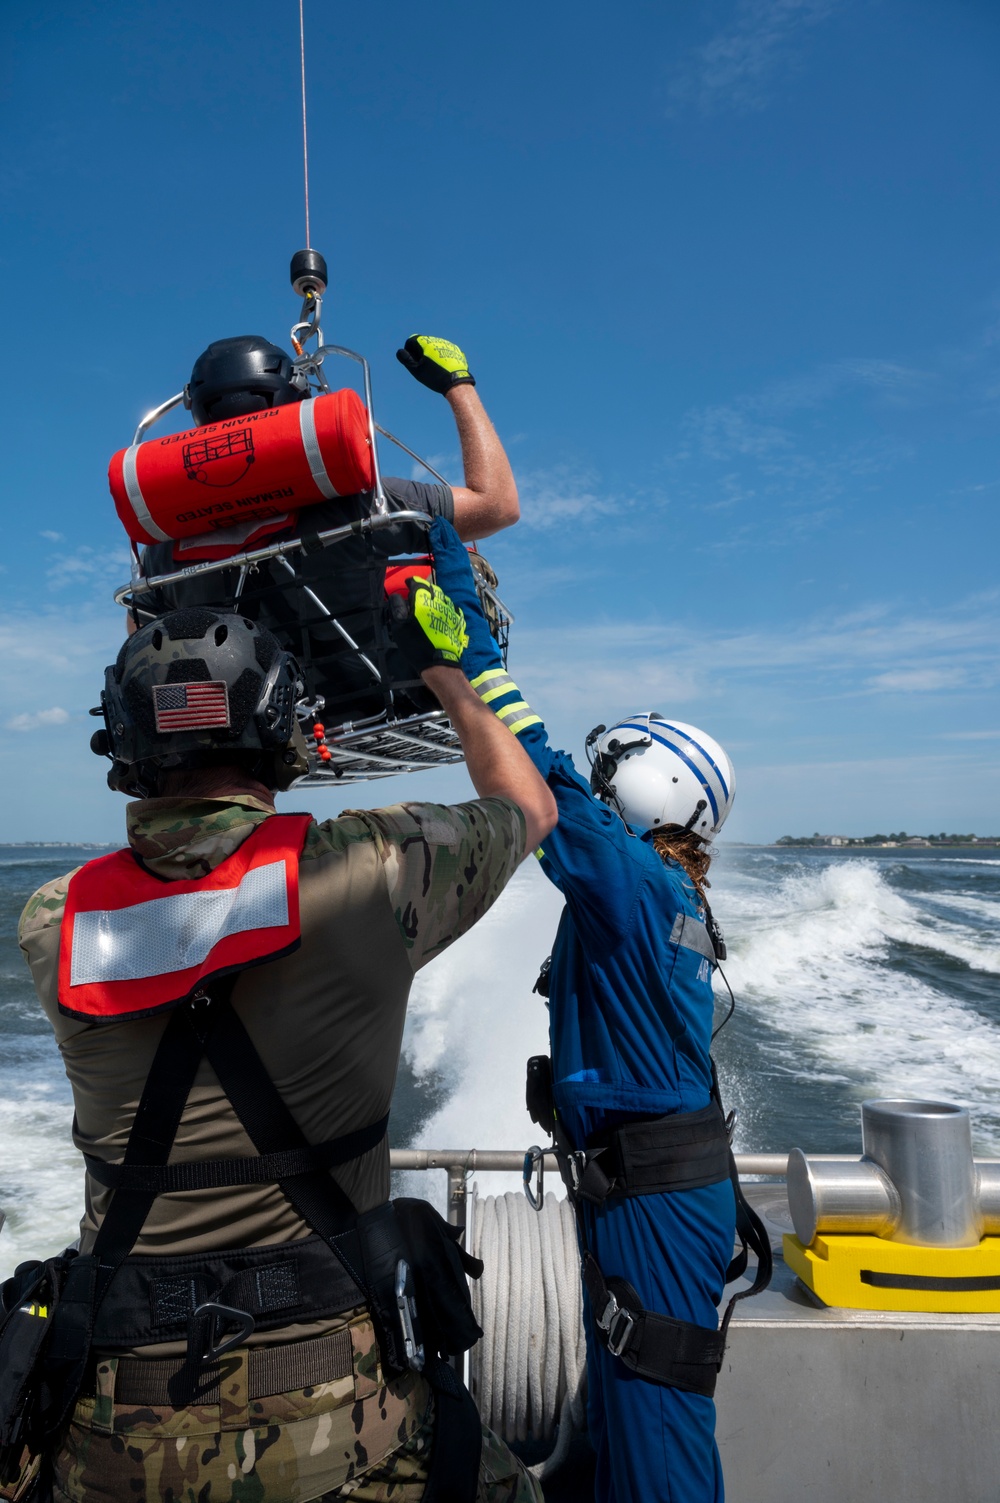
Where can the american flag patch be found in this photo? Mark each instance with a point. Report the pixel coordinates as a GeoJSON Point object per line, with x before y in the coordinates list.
{"type": "Point", "coordinates": [191, 707]}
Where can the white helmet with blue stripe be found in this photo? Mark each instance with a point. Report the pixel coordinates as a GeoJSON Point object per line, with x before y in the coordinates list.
{"type": "Point", "coordinates": [656, 772]}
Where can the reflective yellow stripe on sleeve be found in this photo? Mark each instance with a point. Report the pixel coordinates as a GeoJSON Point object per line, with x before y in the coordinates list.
{"type": "Point", "coordinates": [515, 707]}
{"type": "Point", "coordinates": [507, 687]}
{"type": "Point", "coordinates": [490, 673]}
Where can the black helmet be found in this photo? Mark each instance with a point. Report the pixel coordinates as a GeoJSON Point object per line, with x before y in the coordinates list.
{"type": "Point", "coordinates": [236, 376]}
{"type": "Point", "coordinates": [195, 688]}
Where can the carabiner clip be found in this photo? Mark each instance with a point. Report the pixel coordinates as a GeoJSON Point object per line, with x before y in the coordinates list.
{"type": "Point", "coordinates": [534, 1163]}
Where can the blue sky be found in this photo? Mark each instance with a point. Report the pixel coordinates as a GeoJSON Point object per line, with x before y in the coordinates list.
{"type": "Point", "coordinates": [727, 274]}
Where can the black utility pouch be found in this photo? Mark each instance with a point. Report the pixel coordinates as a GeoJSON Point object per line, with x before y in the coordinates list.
{"type": "Point", "coordinates": [441, 1271]}
{"type": "Point", "coordinates": [538, 1093]}
{"type": "Point", "coordinates": [28, 1302]}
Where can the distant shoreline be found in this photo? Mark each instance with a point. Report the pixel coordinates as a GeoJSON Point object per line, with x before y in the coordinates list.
{"type": "Point", "coordinates": [901, 841]}
{"type": "Point", "coordinates": [786, 842]}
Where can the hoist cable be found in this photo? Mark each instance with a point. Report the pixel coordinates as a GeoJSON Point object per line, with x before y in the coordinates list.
{"type": "Point", "coordinates": [305, 137]}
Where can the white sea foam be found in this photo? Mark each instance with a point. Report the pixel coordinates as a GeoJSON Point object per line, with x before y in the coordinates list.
{"type": "Point", "coordinates": [967, 861]}
{"type": "Point", "coordinates": [474, 1021]}
{"type": "Point", "coordinates": [41, 1177]}
{"type": "Point", "coordinates": [810, 947]}
{"type": "Point", "coordinates": [807, 957]}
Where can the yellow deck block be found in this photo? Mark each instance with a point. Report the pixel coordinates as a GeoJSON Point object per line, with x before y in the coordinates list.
{"type": "Point", "coordinates": [871, 1273]}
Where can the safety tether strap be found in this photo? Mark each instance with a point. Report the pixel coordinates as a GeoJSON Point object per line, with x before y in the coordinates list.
{"type": "Point", "coordinates": [749, 1229]}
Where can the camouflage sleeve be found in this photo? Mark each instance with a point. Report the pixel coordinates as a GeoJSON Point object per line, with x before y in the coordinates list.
{"type": "Point", "coordinates": [445, 865]}
{"type": "Point", "coordinates": [43, 909]}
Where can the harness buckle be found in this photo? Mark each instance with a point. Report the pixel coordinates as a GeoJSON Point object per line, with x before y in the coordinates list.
{"type": "Point", "coordinates": [212, 1313]}
{"type": "Point", "coordinates": [620, 1332]}
{"type": "Point", "coordinates": [730, 1124]}
{"type": "Point", "coordinates": [617, 1324]}
{"type": "Point", "coordinates": [534, 1163]}
{"type": "Point", "coordinates": [577, 1161]}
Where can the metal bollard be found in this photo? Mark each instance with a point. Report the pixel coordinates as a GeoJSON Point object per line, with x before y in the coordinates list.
{"type": "Point", "coordinates": [925, 1147]}
{"type": "Point", "coordinates": [840, 1196]}
{"type": "Point", "coordinates": [916, 1183]}
{"type": "Point", "coordinates": [988, 1176]}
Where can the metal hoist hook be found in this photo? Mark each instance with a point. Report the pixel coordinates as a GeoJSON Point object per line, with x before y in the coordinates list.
{"type": "Point", "coordinates": [309, 278]}
{"type": "Point", "coordinates": [308, 326]}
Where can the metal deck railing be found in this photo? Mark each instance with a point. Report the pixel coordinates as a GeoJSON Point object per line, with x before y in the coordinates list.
{"type": "Point", "coordinates": [458, 1163]}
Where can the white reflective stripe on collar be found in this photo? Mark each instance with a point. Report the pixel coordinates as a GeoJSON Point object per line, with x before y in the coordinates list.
{"type": "Point", "coordinates": [138, 501]}
{"type": "Point", "coordinates": [307, 427]}
{"type": "Point", "coordinates": [173, 933]}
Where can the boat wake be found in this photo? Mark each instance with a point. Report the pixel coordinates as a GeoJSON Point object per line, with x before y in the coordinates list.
{"type": "Point", "coordinates": [872, 975]}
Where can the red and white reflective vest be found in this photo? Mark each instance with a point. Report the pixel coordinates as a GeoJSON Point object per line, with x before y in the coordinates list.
{"type": "Point", "coordinates": [133, 943]}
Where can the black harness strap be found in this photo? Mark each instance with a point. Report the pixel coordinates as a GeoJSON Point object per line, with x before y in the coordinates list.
{"type": "Point", "coordinates": [368, 1247]}
{"type": "Point", "coordinates": [649, 1156]}
{"type": "Point", "coordinates": [157, 1118]}
{"type": "Point", "coordinates": [271, 1128]}
{"type": "Point", "coordinates": [675, 1353]}
{"type": "Point", "coordinates": [214, 1174]}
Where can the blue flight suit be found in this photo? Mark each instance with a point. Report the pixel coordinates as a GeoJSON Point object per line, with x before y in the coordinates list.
{"type": "Point", "coordinates": [630, 1026]}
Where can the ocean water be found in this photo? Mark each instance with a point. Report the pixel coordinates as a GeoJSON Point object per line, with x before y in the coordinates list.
{"type": "Point", "coordinates": [855, 975]}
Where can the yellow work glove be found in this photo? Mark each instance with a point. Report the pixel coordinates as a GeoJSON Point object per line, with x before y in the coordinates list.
{"type": "Point", "coordinates": [428, 628]}
{"type": "Point", "coordinates": [436, 363]}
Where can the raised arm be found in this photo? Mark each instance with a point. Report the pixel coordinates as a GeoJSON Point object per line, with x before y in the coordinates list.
{"type": "Point", "coordinates": [589, 854]}
{"type": "Point", "coordinates": [498, 765]}
{"type": "Point", "coordinates": [430, 631]}
{"type": "Point", "coordinates": [487, 502]}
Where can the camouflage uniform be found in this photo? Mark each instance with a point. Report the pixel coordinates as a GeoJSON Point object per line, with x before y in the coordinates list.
{"type": "Point", "coordinates": [381, 893]}
{"type": "Point", "coordinates": [371, 1440]}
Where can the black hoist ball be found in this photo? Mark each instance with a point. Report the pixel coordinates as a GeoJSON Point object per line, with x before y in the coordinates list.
{"type": "Point", "coordinates": [308, 272]}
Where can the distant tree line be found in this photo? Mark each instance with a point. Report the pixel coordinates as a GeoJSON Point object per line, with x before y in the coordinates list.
{"type": "Point", "coordinates": [899, 837]}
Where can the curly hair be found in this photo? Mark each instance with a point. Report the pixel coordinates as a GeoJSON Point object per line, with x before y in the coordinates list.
{"type": "Point", "coordinates": [673, 842]}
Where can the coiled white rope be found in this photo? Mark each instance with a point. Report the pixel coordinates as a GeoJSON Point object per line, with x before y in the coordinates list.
{"type": "Point", "coordinates": [528, 1373]}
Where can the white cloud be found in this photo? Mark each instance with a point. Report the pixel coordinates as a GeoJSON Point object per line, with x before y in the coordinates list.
{"type": "Point", "coordinates": [38, 719]}
{"type": "Point", "coordinates": [618, 665]}
{"type": "Point", "coordinates": [563, 493]}
{"type": "Point", "coordinates": [918, 680]}
{"type": "Point", "coordinates": [50, 660]}
{"type": "Point", "coordinates": [89, 566]}
{"type": "Point", "coordinates": [447, 464]}
{"type": "Point", "coordinates": [736, 67]}
{"type": "Point", "coordinates": [778, 457]}
{"type": "Point", "coordinates": [53, 537]}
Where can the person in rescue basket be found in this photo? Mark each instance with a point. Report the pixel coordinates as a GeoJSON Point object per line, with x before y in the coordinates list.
{"type": "Point", "coordinates": [234, 378]}
{"type": "Point", "coordinates": [248, 374]}
{"type": "Point", "coordinates": [249, 1315]}
{"type": "Point", "coordinates": [638, 1127]}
